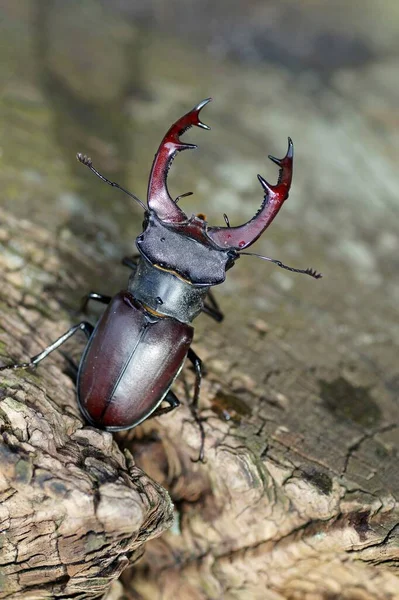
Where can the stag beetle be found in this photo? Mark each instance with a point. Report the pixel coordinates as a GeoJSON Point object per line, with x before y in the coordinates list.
{"type": "Point", "coordinates": [140, 343]}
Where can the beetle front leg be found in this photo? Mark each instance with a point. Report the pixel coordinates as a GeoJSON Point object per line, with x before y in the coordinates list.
{"type": "Point", "coordinates": [173, 402]}
{"type": "Point", "coordinates": [131, 261]}
{"type": "Point", "coordinates": [94, 296]}
{"type": "Point", "coordinates": [197, 364]}
{"type": "Point", "coordinates": [87, 328]}
{"type": "Point", "coordinates": [212, 309]}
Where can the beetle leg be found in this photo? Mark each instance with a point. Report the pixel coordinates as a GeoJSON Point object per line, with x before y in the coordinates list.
{"type": "Point", "coordinates": [173, 402]}
{"type": "Point", "coordinates": [94, 296]}
{"type": "Point", "coordinates": [131, 261]}
{"type": "Point", "coordinates": [87, 328]}
{"type": "Point", "coordinates": [212, 309]}
{"type": "Point", "coordinates": [71, 369]}
{"type": "Point", "coordinates": [197, 363]}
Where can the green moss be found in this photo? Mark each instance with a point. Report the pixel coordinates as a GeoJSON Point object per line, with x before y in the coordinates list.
{"type": "Point", "coordinates": [23, 471]}
{"type": "Point", "coordinates": [94, 541]}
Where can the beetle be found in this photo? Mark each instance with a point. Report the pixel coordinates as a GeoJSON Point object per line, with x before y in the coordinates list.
{"type": "Point", "coordinates": [141, 341]}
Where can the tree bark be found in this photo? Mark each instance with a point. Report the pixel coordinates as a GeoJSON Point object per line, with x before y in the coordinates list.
{"type": "Point", "coordinates": [296, 500]}
{"type": "Point", "coordinates": [297, 497]}
{"type": "Point", "coordinates": [75, 510]}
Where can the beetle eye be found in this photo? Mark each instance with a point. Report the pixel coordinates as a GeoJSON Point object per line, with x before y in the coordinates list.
{"type": "Point", "coordinates": [201, 216]}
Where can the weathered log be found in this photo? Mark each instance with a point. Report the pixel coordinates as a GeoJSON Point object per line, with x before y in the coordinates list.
{"type": "Point", "coordinates": [293, 502]}
{"type": "Point", "coordinates": [75, 510]}
{"type": "Point", "coordinates": [298, 493]}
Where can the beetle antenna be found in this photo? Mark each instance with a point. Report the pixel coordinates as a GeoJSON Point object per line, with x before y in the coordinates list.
{"type": "Point", "coordinates": [86, 161]}
{"type": "Point", "coordinates": [226, 219]}
{"type": "Point", "coordinates": [183, 196]}
{"type": "Point", "coordinates": [308, 271]}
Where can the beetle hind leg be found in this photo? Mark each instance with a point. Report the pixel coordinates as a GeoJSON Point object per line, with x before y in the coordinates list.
{"type": "Point", "coordinates": [173, 402]}
{"type": "Point", "coordinates": [199, 370]}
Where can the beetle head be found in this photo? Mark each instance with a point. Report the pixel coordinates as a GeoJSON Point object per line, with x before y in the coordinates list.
{"type": "Point", "coordinates": [188, 246]}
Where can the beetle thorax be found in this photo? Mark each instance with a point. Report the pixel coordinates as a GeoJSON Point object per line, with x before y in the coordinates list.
{"type": "Point", "coordinates": [166, 294]}
{"type": "Point", "coordinates": [186, 249]}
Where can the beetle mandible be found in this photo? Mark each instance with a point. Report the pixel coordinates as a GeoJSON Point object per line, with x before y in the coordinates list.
{"type": "Point", "coordinates": [140, 343]}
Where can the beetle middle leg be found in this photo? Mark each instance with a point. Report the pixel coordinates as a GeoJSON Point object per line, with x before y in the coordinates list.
{"type": "Point", "coordinates": [84, 326]}
{"type": "Point", "coordinates": [197, 364]}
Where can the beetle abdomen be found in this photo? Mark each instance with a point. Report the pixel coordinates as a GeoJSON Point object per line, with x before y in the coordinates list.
{"type": "Point", "coordinates": [129, 364]}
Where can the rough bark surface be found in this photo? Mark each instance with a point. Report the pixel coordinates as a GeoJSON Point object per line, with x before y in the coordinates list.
{"type": "Point", "coordinates": [297, 497]}
{"type": "Point", "coordinates": [269, 516]}
{"type": "Point", "coordinates": [74, 510]}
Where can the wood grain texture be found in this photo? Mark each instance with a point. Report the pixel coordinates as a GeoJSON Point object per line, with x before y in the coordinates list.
{"type": "Point", "coordinates": [74, 509]}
